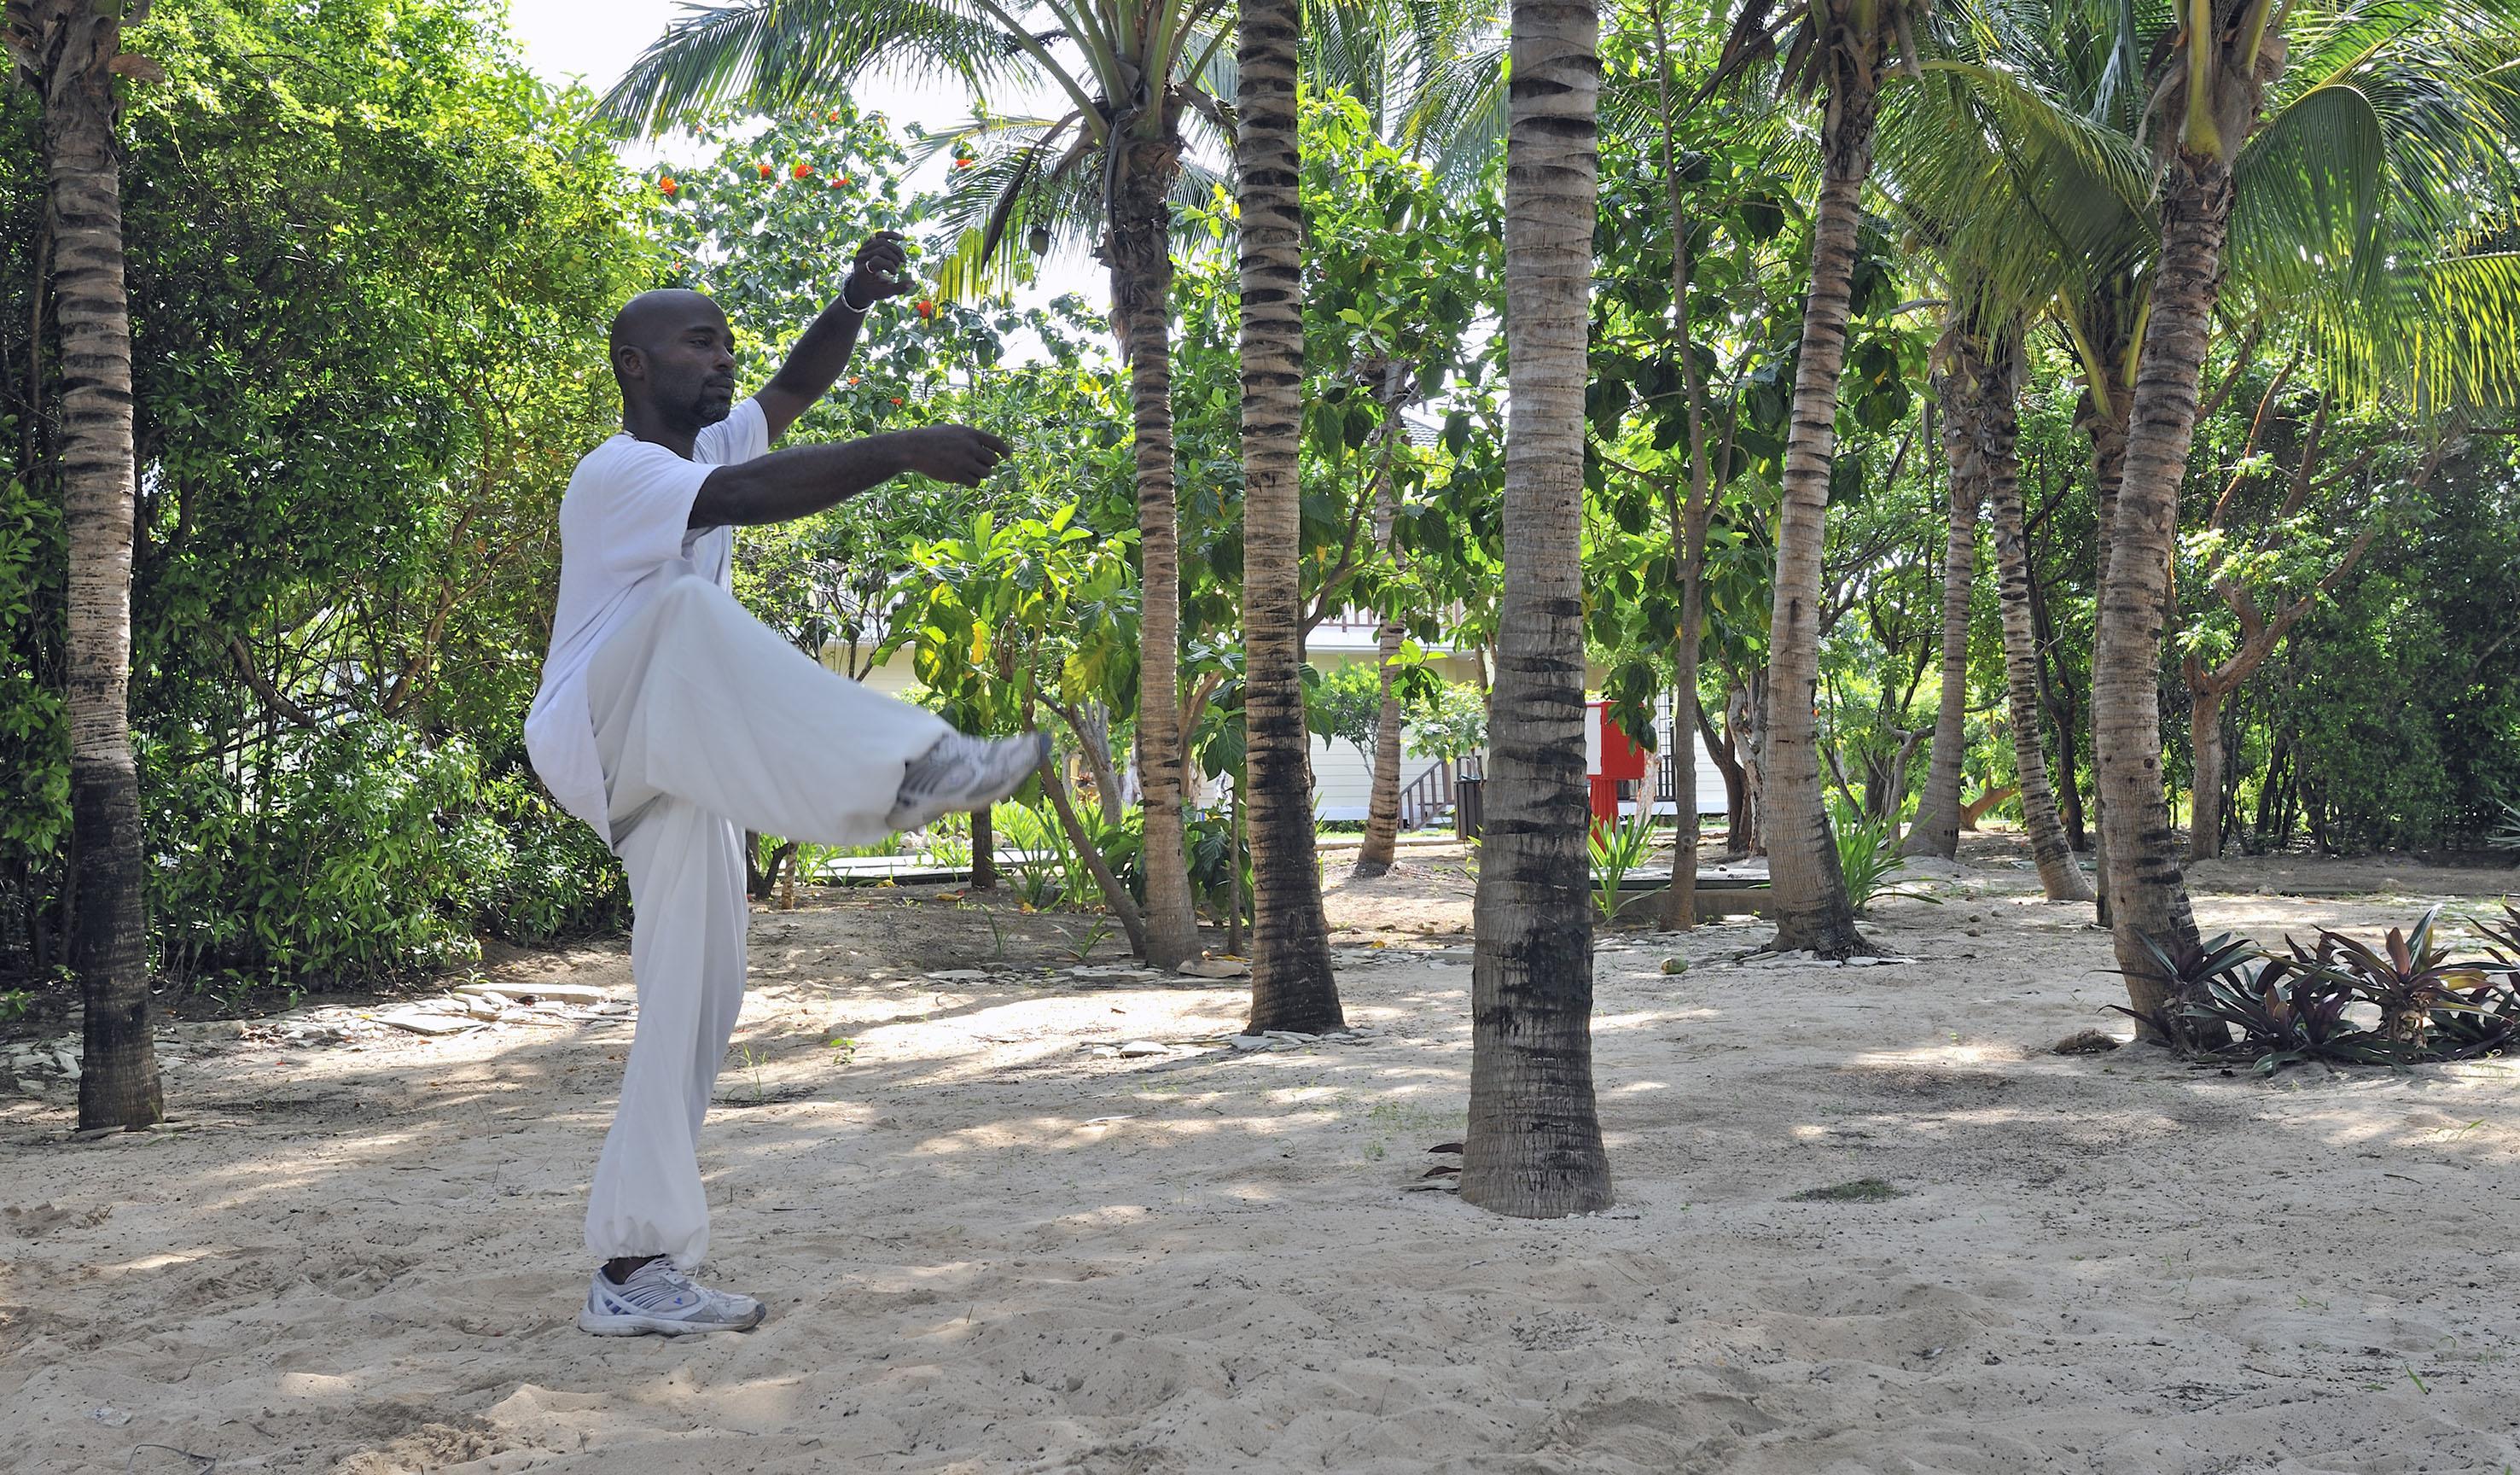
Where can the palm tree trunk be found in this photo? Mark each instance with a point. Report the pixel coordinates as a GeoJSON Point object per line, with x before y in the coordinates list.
{"type": "Point", "coordinates": [1382, 801]}
{"type": "Point", "coordinates": [1534, 1148]}
{"type": "Point", "coordinates": [2107, 425]}
{"type": "Point", "coordinates": [1810, 894]}
{"type": "Point", "coordinates": [1995, 426]}
{"type": "Point", "coordinates": [1680, 899]}
{"type": "Point", "coordinates": [66, 51]}
{"type": "Point", "coordinates": [2147, 895]}
{"type": "Point", "coordinates": [1962, 398]}
{"type": "Point", "coordinates": [1292, 985]}
{"type": "Point", "coordinates": [67, 47]}
{"type": "Point", "coordinates": [1139, 253]}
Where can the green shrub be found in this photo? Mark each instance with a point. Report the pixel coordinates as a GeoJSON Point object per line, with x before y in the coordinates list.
{"type": "Point", "coordinates": [359, 855]}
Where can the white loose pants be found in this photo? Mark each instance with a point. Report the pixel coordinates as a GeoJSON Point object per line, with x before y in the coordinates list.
{"type": "Point", "coordinates": [709, 724]}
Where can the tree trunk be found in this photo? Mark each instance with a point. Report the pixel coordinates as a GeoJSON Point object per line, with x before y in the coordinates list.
{"type": "Point", "coordinates": [1292, 985]}
{"type": "Point", "coordinates": [2057, 699]}
{"type": "Point", "coordinates": [1937, 830]}
{"type": "Point", "coordinates": [1809, 891]}
{"type": "Point", "coordinates": [1382, 805]}
{"type": "Point", "coordinates": [1534, 1148]}
{"type": "Point", "coordinates": [1139, 253]}
{"type": "Point", "coordinates": [1678, 910]}
{"type": "Point", "coordinates": [2147, 895]}
{"type": "Point", "coordinates": [68, 48]}
{"type": "Point", "coordinates": [2107, 425]}
{"type": "Point", "coordinates": [1115, 895]}
{"type": "Point", "coordinates": [1994, 423]}
{"type": "Point", "coordinates": [2205, 739]}
{"type": "Point", "coordinates": [984, 851]}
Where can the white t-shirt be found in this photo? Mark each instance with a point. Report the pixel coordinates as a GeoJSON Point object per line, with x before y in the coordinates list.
{"type": "Point", "coordinates": [624, 529]}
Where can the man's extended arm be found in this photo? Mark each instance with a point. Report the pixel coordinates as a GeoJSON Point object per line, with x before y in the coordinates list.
{"type": "Point", "coordinates": [814, 365]}
{"type": "Point", "coordinates": [799, 483]}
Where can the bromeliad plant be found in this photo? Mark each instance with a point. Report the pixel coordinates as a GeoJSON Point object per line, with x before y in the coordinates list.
{"type": "Point", "coordinates": [2343, 1002]}
{"type": "Point", "coordinates": [2409, 979]}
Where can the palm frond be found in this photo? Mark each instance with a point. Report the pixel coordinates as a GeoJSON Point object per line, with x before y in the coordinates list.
{"type": "Point", "coordinates": [771, 55]}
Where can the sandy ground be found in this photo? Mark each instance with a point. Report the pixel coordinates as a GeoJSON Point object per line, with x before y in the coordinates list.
{"type": "Point", "coordinates": [993, 1242]}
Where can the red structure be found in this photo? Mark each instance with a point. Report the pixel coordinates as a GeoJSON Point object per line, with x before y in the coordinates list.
{"type": "Point", "coordinates": [1611, 758]}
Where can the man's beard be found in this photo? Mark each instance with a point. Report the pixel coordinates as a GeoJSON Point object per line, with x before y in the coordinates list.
{"type": "Point", "coordinates": [713, 406]}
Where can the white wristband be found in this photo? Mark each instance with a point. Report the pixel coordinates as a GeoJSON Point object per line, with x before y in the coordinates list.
{"type": "Point", "coordinates": [844, 296]}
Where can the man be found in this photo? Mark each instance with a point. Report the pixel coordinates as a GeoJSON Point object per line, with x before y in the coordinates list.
{"type": "Point", "coordinates": [671, 720]}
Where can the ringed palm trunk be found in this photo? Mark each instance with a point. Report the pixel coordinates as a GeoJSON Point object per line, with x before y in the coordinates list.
{"type": "Point", "coordinates": [1991, 420]}
{"type": "Point", "coordinates": [1382, 801]}
{"type": "Point", "coordinates": [1381, 844]}
{"type": "Point", "coordinates": [1139, 252]}
{"type": "Point", "coordinates": [2147, 895]}
{"type": "Point", "coordinates": [1680, 899]}
{"type": "Point", "coordinates": [65, 49]}
{"type": "Point", "coordinates": [2106, 424]}
{"type": "Point", "coordinates": [1292, 984]}
{"type": "Point", "coordinates": [1937, 831]}
{"type": "Point", "coordinates": [1534, 1148]}
{"type": "Point", "coordinates": [1810, 892]}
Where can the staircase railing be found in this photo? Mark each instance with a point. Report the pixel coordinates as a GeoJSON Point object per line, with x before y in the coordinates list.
{"type": "Point", "coordinates": [1425, 795]}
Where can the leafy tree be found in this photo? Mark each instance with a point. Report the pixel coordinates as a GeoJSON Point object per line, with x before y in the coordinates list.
{"type": "Point", "coordinates": [1107, 164]}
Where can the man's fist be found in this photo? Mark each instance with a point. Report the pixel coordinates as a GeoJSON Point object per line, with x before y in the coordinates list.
{"type": "Point", "coordinates": [955, 453]}
{"type": "Point", "coordinates": [880, 269]}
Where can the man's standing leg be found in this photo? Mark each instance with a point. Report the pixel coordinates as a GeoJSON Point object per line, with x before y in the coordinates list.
{"type": "Point", "coordinates": [688, 905]}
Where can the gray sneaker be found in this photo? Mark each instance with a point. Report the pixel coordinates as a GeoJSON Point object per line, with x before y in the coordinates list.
{"type": "Point", "coordinates": [661, 1300]}
{"type": "Point", "coordinates": [965, 773]}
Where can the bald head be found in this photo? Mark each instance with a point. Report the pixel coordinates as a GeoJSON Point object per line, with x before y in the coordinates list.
{"type": "Point", "coordinates": [673, 356]}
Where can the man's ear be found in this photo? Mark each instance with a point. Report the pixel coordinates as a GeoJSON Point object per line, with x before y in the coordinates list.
{"type": "Point", "coordinates": [629, 363]}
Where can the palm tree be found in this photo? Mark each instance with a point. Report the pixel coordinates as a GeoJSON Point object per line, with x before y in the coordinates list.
{"type": "Point", "coordinates": [1130, 76]}
{"type": "Point", "coordinates": [1292, 984]}
{"type": "Point", "coordinates": [1937, 830]}
{"type": "Point", "coordinates": [1981, 396]}
{"type": "Point", "coordinates": [69, 53]}
{"type": "Point", "coordinates": [1839, 50]}
{"type": "Point", "coordinates": [2347, 212]}
{"type": "Point", "coordinates": [2219, 68]}
{"type": "Point", "coordinates": [1534, 1148]}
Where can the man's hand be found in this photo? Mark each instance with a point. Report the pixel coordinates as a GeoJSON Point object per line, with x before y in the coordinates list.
{"type": "Point", "coordinates": [880, 270]}
{"type": "Point", "coordinates": [955, 453]}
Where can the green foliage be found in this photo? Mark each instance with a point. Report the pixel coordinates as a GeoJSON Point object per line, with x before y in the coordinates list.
{"type": "Point", "coordinates": [365, 855]}
{"type": "Point", "coordinates": [2401, 1002]}
{"type": "Point", "coordinates": [1617, 850]}
{"type": "Point", "coordinates": [370, 262]}
{"type": "Point", "coordinates": [1867, 856]}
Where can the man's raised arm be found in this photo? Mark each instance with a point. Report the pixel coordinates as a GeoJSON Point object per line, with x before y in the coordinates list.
{"type": "Point", "coordinates": [814, 365]}
{"type": "Point", "coordinates": [799, 483]}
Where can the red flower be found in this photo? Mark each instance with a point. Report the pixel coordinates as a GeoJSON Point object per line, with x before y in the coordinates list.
{"type": "Point", "coordinates": [855, 380]}
{"type": "Point", "coordinates": [766, 171]}
{"type": "Point", "coordinates": [926, 309]}
{"type": "Point", "coordinates": [665, 183]}
{"type": "Point", "coordinates": [804, 171]}
{"type": "Point", "coordinates": [831, 117]}
{"type": "Point", "coordinates": [836, 180]}
{"type": "Point", "coordinates": [896, 399]}
{"type": "Point", "coordinates": [963, 164]}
